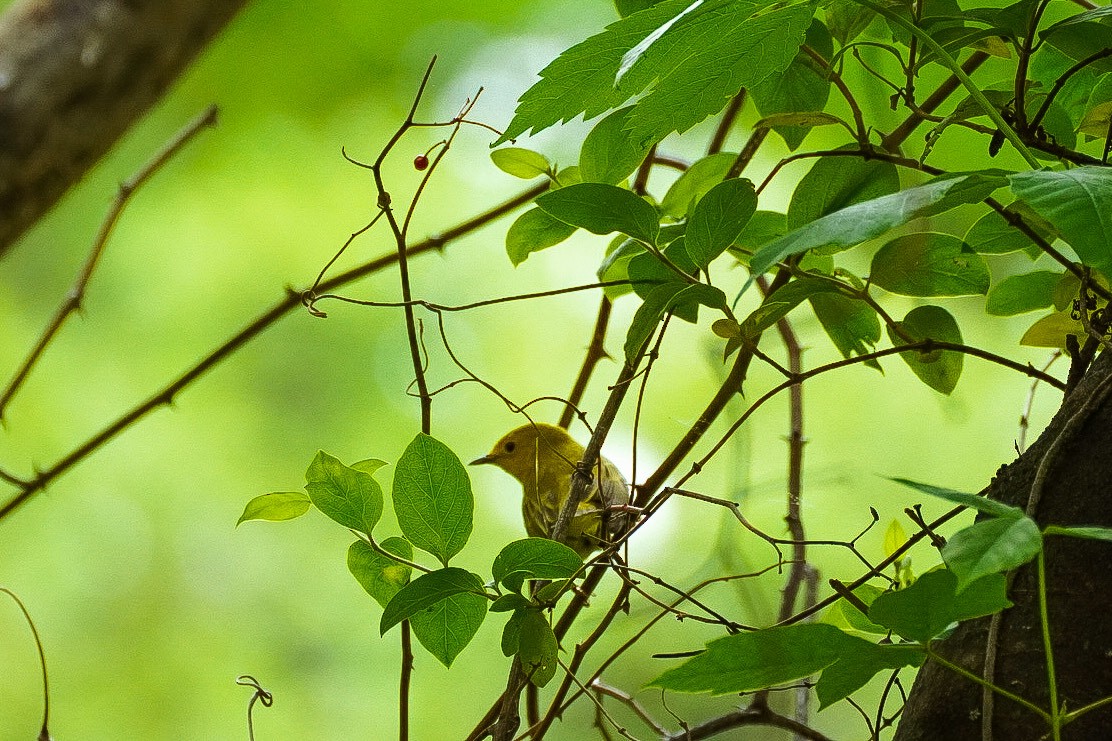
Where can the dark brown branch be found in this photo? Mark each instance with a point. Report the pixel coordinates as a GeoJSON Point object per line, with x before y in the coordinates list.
{"type": "Point", "coordinates": [76, 75]}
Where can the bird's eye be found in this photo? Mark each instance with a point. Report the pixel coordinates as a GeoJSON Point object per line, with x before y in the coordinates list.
{"type": "Point", "coordinates": [509, 447]}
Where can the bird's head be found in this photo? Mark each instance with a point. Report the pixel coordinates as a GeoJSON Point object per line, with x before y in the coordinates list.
{"type": "Point", "coordinates": [533, 448]}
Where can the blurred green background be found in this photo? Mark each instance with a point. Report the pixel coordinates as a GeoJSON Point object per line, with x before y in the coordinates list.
{"type": "Point", "coordinates": [150, 602]}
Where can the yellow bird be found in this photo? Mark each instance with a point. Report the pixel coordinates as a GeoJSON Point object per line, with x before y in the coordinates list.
{"type": "Point", "coordinates": [543, 457]}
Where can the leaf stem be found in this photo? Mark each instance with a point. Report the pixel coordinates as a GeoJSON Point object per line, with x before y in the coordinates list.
{"type": "Point", "coordinates": [999, 690]}
{"type": "Point", "coordinates": [1051, 678]}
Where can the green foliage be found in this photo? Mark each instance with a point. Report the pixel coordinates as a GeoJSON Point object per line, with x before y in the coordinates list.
{"type": "Point", "coordinates": [432, 498]}
{"type": "Point", "coordinates": [718, 219]}
{"type": "Point", "coordinates": [350, 497]}
{"type": "Point", "coordinates": [929, 264]}
{"type": "Point", "coordinates": [933, 604]}
{"type": "Point", "coordinates": [534, 231]}
{"type": "Point", "coordinates": [603, 209]}
{"type": "Point", "coordinates": [1076, 203]}
{"type": "Point", "coordinates": [276, 506]}
{"type": "Point", "coordinates": [534, 558]}
{"type": "Point", "coordinates": [939, 369]}
{"type": "Point", "coordinates": [379, 574]}
{"type": "Point", "coordinates": [609, 154]}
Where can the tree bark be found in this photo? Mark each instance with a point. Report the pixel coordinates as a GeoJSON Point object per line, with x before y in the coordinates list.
{"type": "Point", "coordinates": [74, 75]}
{"type": "Point", "coordinates": [1077, 491]}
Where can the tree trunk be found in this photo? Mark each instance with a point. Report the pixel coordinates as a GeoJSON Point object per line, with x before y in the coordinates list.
{"type": "Point", "coordinates": [74, 75]}
{"type": "Point", "coordinates": [1077, 491]}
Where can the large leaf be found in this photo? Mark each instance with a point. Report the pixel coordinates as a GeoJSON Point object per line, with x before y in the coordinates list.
{"type": "Point", "coordinates": [534, 231]}
{"type": "Point", "coordinates": [854, 668]}
{"type": "Point", "coordinates": [350, 497]}
{"type": "Point", "coordinates": [427, 590]}
{"type": "Point", "coordinates": [863, 221]}
{"type": "Point", "coordinates": [992, 234]}
{"type": "Point", "coordinates": [835, 182]}
{"type": "Point", "coordinates": [991, 547]}
{"type": "Point", "coordinates": [446, 627]}
{"type": "Point", "coordinates": [1018, 294]}
{"type": "Point", "coordinates": [929, 264]}
{"type": "Point", "coordinates": [534, 558]}
{"type": "Point", "coordinates": [689, 71]}
{"type": "Point", "coordinates": [1078, 203]}
{"type": "Point", "coordinates": [939, 369]}
{"type": "Point", "coordinates": [663, 299]}
{"type": "Point", "coordinates": [924, 610]}
{"type": "Point", "coordinates": [601, 209]}
{"type": "Point", "coordinates": [432, 498]}
{"type": "Point", "coordinates": [803, 86]}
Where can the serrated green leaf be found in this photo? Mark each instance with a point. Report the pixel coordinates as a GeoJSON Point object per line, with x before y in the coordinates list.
{"type": "Point", "coordinates": [520, 162]}
{"type": "Point", "coordinates": [927, 608]}
{"type": "Point", "coordinates": [537, 648]}
{"type": "Point", "coordinates": [690, 71]}
{"type": "Point", "coordinates": [276, 506]}
{"type": "Point", "coordinates": [602, 209]}
{"type": "Point", "coordinates": [445, 628]}
{"type": "Point", "coordinates": [1018, 294]}
{"type": "Point", "coordinates": [351, 498]}
{"type": "Point", "coordinates": [1078, 202]}
{"type": "Point", "coordinates": [747, 662]}
{"type": "Point", "coordinates": [718, 218]}
{"type": "Point", "coordinates": [695, 181]}
{"type": "Point", "coordinates": [534, 558]}
{"type": "Point", "coordinates": [981, 504]}
{"type": "Point", "coordinates": [939, 369]}
{"type": "Point", "coordinates": [929, 264]}
{"type": "Point", "coordinates": [534, 231]}
{"type": "Point", "coordinates": [1051, 331]}
{"type": "Point", "coordinates": [609, 154]}
{"type": "Point", "coordinates": [803, 87]}
{"type": "Point", "coordinates": [432, 498]}
{"type": "Point", "coordinates": [991, 546]}
{"type": "Point", "coordinates": [427, 590]}
{"type": "Point", "coordinates": [379, 575]}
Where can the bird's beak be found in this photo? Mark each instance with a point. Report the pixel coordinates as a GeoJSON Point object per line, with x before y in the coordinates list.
{"type": "Point", "coordinates": [480, 461]}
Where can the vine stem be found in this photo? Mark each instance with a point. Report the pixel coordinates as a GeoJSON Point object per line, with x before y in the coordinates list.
{"type": "Point", "coordinates": [1051, 676]}
{"type": "Point", "coordinates": [998, 690]}
{"type": "Point", "coordinates": [966, 80]}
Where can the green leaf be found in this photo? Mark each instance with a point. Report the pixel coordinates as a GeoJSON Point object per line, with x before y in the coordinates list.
{"type": "Point", "coordinates": [1087, 533]}
{"type": "Point", "coordinates": [851, 324]}
{"type": "Point", "coordinates": [609, 153]}
{"type": "Point", "coordinates": [929, 264]}
{"type": "Point", "coordinates": [856, 667]}
{"type": "Point", "coordinates": [1018, 294]}
{"type": "Point", "coordinates": [629, 7]}
{"type": "Point", "coordinates": [351, 498]}
{"type": "Point", "coordinates": [432, 498]}
{"type": "Point", "coordinates": [981, 504]}
{"type": "Point", "coordinates": [718, 218]}
{"type": "Point", "coordinates": [927, 608]}
{"type": "Point", "coordinates": [1051, 331]}
{"type": "Point", "coordinates": [993, 235]}
{"type": "Point", "coordinates": [276, 506]}
{"type": "Point", "coordinates": [1078, 203]}
{"type": "Point", "coordinates": [521, 163]}
{"type": "Point", "coordinates": [601, 209]}
{"type": "Point", "coordinates": [747, 662]}
{"type": "Point", "coordinates": [777, 305]}
{"type": "Point", "coordinates": [847, 20]}
{"type": "Point", "coordinates": [370, 465]}
{"type": "Point", "coordinates": [512, 631]}
{"type": "Point", "coordinates": [379, 575]}
{"type": "Point", "coordinates": [508, 602]}
{"type": "Point", "coordinates": [802, 87]}
{"type": "Point", "coordinates": [844, 615]}
{"type": "Point", "coordinates": [537, 648]}
{"type": "Point", "coordinates": [661, 300]}
{"type": "Point", "coordinates": [534, 231]}
{"type": "Point", "coordinates": [991, 546]}
{"type": "Point", "coordinates": [445, 628]}
{"type": "Point", "coordinates": [689, 71]}
{"type": "Point", "coordinates": [798, 120]}
{"type": "Point", "coordinates": [534, 558]}
{"type": "Point", "coordinates": [863, 221]}
{"type": "Point", "coordinates": [939, 369]}
{"type": "Point", "coordinates": [835, 182]}
{"type": "Point", "coordinates": [763, 227]}
{"type": "Point", "coordinates": [426, 590]}
{"type": "Point", "coordinates": [689, 187]}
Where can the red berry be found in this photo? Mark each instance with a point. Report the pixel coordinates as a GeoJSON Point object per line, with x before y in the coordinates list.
{"type": "Point", "coordinates": [420, 162]}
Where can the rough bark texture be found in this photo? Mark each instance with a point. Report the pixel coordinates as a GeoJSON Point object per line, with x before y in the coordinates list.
{"type": "Point", "coordinates": [74, 74]}
{"type": "Point", "coordinates": [1078, 491]}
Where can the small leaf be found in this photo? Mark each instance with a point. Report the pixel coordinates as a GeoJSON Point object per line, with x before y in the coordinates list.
{"type": "Point", "coordinates": [425, 591]}
{"type": "Point", "coordinates": [276, 506]}
{"type": "Point", "coordinates": [1051, 331]}
{"type": "Point", "coordinates": [351, 498]}
{"type": "Point", "coordinates": [512, 631]}
{"type": "Point", "coordinates": [843, 614]}
{"type": "Point", "coordinates": [777, 305]}
{"type": "Point", "coordinates": [601, 209]}
{"type": "Point", "coordinates": [537, 648]}
{"type": "Point", "coordinates": [1018, 294]}
{"type": "Point", "coordinates": [981, 504]}
{"type": "Point", "coordinates": [929, 264]}
{"type": "Point", "coordinates": [379, 575]}
{"type": "Point", "coordinates": [694, 183]}
{"type": "Point", "coordinates": [939, 369]}
{"type": "Point", "coordinates": [534, 231]}
{"type": "Point", "coordinates": [609, 153]}
{"type": "Point", "coordinates": [991, 546]}
{"type": "Point", "coordinates": [509, 602]}
{"type": "Point", "coordinates": [718, 218]}
{"type": "Point", "coordinates": [1086, 533]}
{"type": "Point", "coordinates": [895, 536]}
{"type": "Point", "coordinates": [432, 498]}
{"type": "Point", "coordinates": [369, 465]}
{"type": "Point", "coordinates": [835, 182]}
{"type": "Point", "coordinates": [802, 119]}
{"type": "Point", "coordinates": [534, 558]}
{"type": "Point", "coordinates": [521, 163]}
